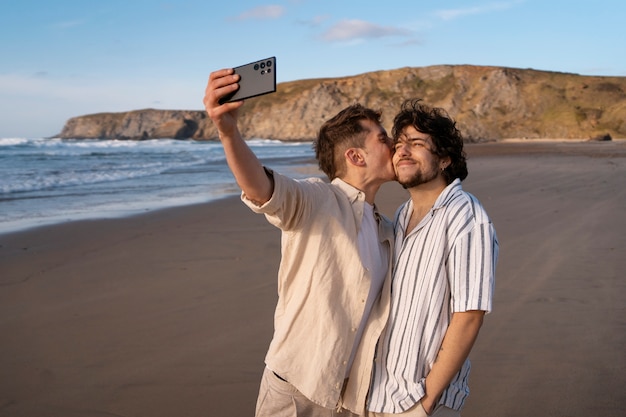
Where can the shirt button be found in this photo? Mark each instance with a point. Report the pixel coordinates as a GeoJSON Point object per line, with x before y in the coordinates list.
{"type": "Point", "coordinates": [354, 329]}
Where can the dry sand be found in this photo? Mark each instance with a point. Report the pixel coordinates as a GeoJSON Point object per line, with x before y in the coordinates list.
{"type": "Point", "coordinates": [170, 313]}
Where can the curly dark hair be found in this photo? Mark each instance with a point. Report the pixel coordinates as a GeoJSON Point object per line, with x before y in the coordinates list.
{"type": "Point", "coordinates": [442, 130]}
{"type": "Point", "coordinates": [341, 132]}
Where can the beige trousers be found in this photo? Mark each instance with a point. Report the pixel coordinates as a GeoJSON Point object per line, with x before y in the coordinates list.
{"type": "Point", "coordinates": [278, 398]}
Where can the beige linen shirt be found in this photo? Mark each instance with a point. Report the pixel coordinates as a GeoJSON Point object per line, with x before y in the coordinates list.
{"type": "Point", "coordinates": [322, 290]}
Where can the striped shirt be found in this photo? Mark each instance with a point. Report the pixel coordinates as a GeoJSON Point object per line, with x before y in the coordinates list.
{"type": "Point", "coordinates": [445, 265]}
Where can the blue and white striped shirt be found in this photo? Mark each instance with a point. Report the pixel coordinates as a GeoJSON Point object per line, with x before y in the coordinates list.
{"type": "Point", "coordinates": [445, 265]}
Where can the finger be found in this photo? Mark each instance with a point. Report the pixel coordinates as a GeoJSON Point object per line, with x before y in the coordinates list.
{"type": "Point", "coordinates": [233, 105]}
{"type": "Point", "coordinates": [221, 83]}
{"type": "Point", "coordinates": [212, 95]}
{"type": "Point", "coordinates": [220, 73]}
{"type": "Point", "coordinates": [223, 77]}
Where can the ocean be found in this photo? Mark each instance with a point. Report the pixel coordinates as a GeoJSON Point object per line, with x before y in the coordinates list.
{"type": "Point", "coordinates": [48, 181]}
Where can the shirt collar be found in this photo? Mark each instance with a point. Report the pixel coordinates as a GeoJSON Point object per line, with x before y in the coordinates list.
{"type": "Point", "coordinates": [442, 201]}
{"type": "Point", "coordinates": [357, 200]}
{"type": "Point", "coordinates": [447, 194]}
{"type": "Point", "coordinates": [353, 194]}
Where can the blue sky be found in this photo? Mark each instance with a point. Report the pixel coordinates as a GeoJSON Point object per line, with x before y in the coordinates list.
{"type": "Point", "coordinates": [65, 58]}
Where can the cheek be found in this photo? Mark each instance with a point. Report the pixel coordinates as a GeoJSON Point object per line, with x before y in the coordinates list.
{"type": "Point", "coordinates": [386, 154]}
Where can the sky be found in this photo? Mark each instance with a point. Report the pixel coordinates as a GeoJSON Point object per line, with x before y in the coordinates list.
{"type": "Point", "coordinates": [65, 58]}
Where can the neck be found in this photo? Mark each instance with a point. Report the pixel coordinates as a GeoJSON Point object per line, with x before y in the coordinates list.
{"type": "Point", "coordinates": [369, 188]}
{"type": "Point", "coordinates": [425, 195]}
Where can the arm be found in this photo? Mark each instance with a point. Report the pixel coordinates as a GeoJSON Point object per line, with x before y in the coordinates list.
{"type": "Point", "coordinates": [245, 166]}
{"type": "Point", "coordinates": [455, 348]}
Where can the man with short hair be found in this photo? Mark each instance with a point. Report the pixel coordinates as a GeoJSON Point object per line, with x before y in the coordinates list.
{"type": "Point", "coordinates": [336, 248]}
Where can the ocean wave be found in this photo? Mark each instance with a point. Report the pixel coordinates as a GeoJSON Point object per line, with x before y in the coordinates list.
{"type": "Point", "coordinates": [52, 179]}
{"type": "Point", "coordinates": [13, 141]}
{"type": "Point", "coordinates": [55, 179]}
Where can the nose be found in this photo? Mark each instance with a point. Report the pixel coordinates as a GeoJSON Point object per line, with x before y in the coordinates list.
{"type": "Point", "coordinates": [401, 147]}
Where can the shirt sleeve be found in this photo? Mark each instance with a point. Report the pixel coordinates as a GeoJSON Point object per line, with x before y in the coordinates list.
{"type": "Point", "coordinates": [291, 202]}
{"type": "Point", "coordinates": [471, 269]}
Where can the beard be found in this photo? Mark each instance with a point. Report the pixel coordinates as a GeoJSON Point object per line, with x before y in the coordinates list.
{"type": "Point", "coordinates": [423, 175]}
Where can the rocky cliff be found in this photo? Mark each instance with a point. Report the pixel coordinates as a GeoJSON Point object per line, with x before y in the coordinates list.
{"type": "Point", "coordinates": [489, 103]}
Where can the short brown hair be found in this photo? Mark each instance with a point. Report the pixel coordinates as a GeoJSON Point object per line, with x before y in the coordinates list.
{"type": "Point", "coordinates": [341, 132]}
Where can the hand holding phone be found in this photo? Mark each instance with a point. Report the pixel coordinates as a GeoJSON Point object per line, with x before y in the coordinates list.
{"type": "Point", "coordinates": [256, 78]}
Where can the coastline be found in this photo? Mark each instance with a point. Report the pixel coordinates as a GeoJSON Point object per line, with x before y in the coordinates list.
{"type": "Point", "coordinates": [46, 182]}
{"type": "Point", "coordinates": [170, 312]}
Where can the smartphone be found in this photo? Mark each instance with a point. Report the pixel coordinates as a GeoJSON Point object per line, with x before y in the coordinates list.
{"type": "Point", "coordinates": [257, 78]}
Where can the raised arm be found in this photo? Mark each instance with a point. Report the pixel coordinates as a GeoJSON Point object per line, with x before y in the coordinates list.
{"type": "Point", "coordinates": [245, 166]}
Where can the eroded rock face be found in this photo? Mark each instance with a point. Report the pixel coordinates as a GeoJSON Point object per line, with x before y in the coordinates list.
{"type": "Point", "coordinates": [137, 125]}
{"type": "Point", "coordinates": [487, 102]}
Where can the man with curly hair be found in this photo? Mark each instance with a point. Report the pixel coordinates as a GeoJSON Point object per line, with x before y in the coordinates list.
{"type": "Point", "coordinates": [444, 267]}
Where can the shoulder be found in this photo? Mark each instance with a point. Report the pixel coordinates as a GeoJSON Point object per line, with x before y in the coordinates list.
{"type": "Point", "coordinates": [467, 205]}
{"type": "Point", "coordinates": [465, 215]}
{"type": "Point", "coordinates": [287, 185]}
{"type": "Point", "coordinates": [313, 192]}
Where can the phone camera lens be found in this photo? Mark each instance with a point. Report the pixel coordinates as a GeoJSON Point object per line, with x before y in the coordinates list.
{"type": "Point", "coordinates": [262, 64]}
{"type": "Point", "coordinates": [269, 63]}
{"type": "Point", "coordinates": [269, 70]}
{"type": "Point", "coordinates": [256, 67]}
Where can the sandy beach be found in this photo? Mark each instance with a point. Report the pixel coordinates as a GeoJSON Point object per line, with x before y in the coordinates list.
{"type": "Point", "coordinates": [169, 313]}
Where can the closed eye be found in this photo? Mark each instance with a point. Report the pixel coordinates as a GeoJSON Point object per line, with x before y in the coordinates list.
{"type": "Point", "coordinates": [413, 143]}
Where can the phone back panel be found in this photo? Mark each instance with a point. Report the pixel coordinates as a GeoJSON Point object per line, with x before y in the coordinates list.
{"type": "Point", "coordinates": [257, 78]}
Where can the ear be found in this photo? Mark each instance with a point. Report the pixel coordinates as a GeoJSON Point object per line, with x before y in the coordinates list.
{"type": "Point", "coordinates": [445, 163]}
{"type": "Point", "coordinates": [353, 156]}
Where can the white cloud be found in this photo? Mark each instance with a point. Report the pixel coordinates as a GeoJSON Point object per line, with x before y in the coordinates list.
{"type": "Point", "coordinates": [271, 11]}
{"type": "Point", "coordinates": [409, 42]}
{"type": "Point", "coordinates": [350, 30]}
{"type": "Point", "coordinates": [315, 21]}
{"type": "Point", "coordinates": [449, 14]}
